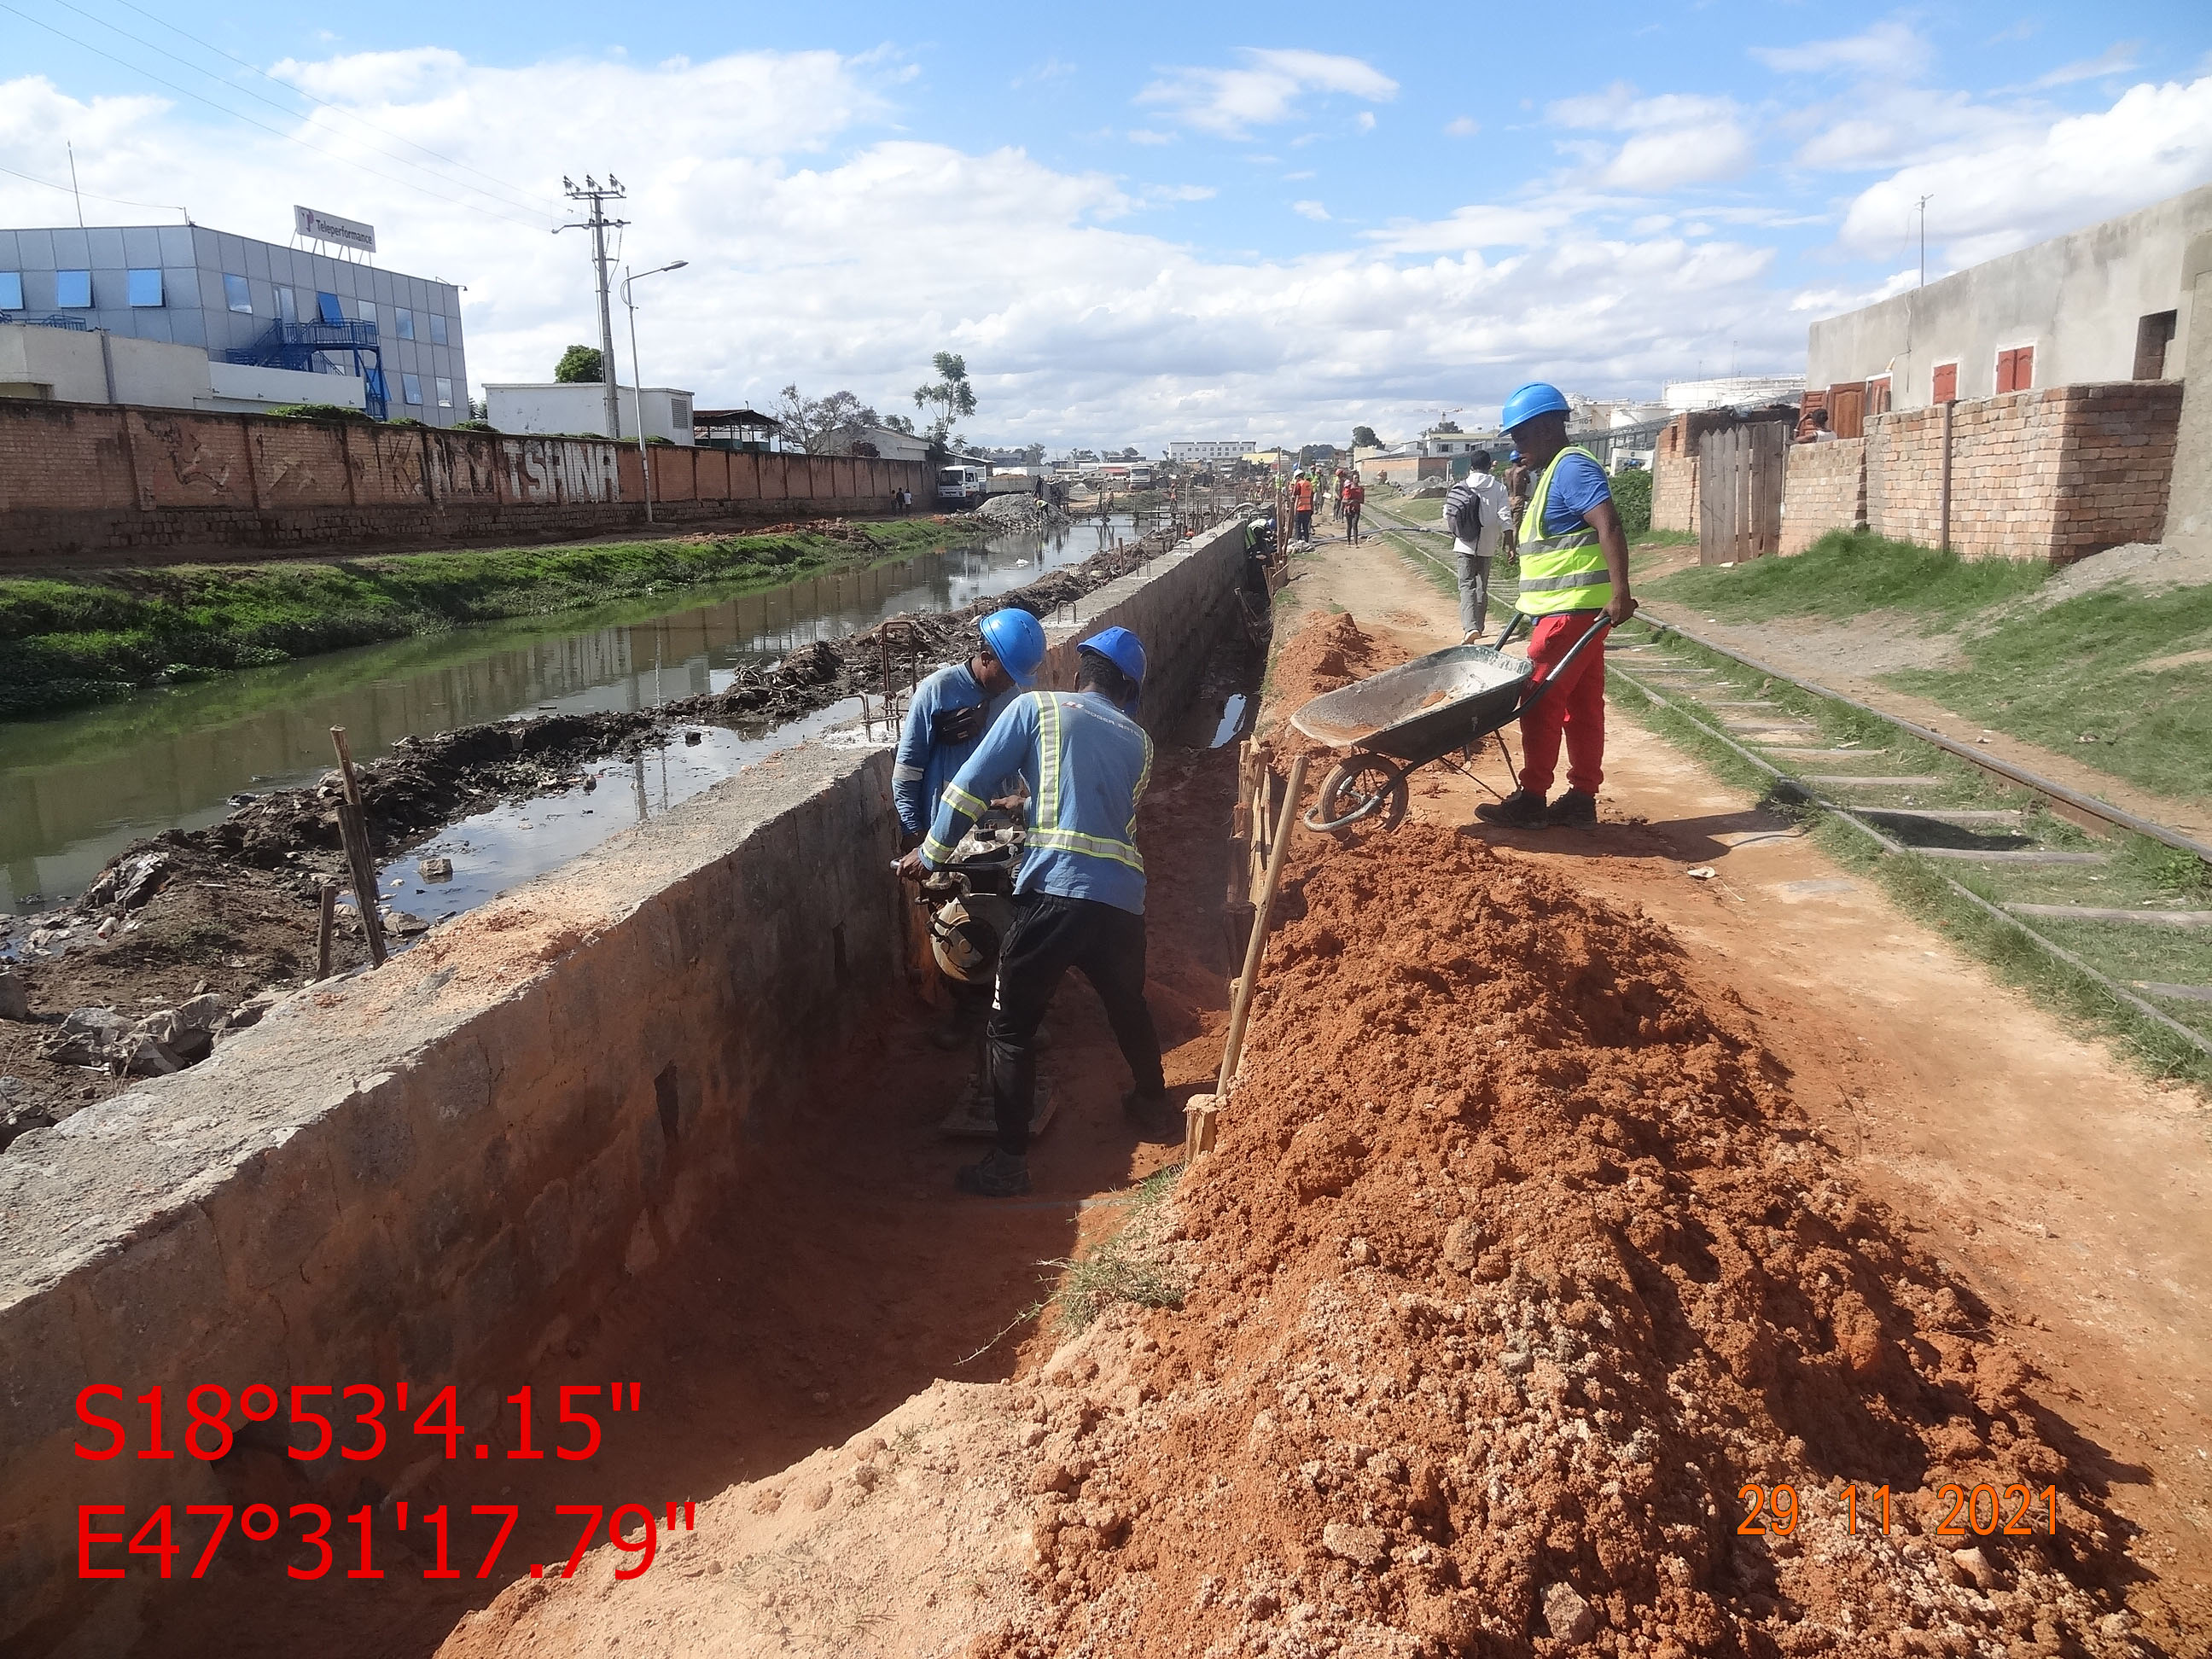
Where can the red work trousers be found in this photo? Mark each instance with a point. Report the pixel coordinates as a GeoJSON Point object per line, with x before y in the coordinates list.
{"type": "Point", "coordinates": [1574, 707]}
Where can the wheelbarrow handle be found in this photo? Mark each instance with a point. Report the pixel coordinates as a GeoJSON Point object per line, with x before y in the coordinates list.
{"type": "Point", "coordinates": [1536, 692]}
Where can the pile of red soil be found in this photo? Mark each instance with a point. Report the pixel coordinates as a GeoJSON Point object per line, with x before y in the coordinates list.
{"type": "Point", "coordinates": [1515, 1263]}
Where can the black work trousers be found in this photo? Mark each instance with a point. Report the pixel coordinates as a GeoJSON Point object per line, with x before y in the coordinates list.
{"type": "Point", "coordinates": [1051, 935]}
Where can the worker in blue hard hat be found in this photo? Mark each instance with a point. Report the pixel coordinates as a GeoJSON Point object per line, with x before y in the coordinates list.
{"type": "Point", "coordinates": [1574, 577]}
{"type": "Point", "coordinates": [1079, 894]}
{"type": "Point", "coordinates": [950, 712]}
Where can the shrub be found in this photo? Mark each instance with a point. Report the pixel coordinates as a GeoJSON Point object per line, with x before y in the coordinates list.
{"type": "Point", "coordinates": [1631, 498]}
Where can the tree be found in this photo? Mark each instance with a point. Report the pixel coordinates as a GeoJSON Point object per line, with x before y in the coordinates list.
{"type": "Point", "coordinates": [1034, 453]}
{"type": "Point", "coordinates": [950, 392]}
{"type": "Point", "coordinates": [808, 423]}
{"type": "Point", "coordinates": [1363, 437]}
{"type": "Point", "coordinates": [579, 364]}
{"type": "Point", "coordinates": [900, 424]}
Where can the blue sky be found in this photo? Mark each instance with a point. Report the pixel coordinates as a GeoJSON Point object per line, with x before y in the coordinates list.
{"type": "Point", "coordinates": [1143, 223]}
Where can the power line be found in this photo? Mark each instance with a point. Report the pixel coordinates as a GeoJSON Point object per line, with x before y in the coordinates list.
{"type": "Point", "coordinates": [121, 201]}
{"type": "Point", "coordinates": [235, 115]}
{"type": "Point", "coordinates": [531, 198]}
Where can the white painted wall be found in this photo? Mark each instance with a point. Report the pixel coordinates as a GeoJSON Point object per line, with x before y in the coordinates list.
{"type": "Point", "coordinates": [2076, 299]}
{"type": "Point", "coordinates": [148, 371]}
{"type": "Point", "coordinates": [245, 389]}
{"type": "Point", "coordinates": [552, 407]}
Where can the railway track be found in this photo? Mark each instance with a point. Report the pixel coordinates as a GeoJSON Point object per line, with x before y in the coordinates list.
{"type": "Point", "coordinates": [2123, 901]}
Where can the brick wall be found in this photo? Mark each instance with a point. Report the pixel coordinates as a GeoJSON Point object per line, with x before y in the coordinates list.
{"type": "Point", "coordinates": [93, 480]}
{"type": "Point", "coordinates": [1824, 488]}
{"type": "Point", "coordinates": [2054, 474]}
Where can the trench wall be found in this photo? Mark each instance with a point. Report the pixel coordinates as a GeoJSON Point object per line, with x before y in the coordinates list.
{"type": "Point", "coordinates": [433, 1172]}
{"type": "Point", "coordinates": [92, 481]}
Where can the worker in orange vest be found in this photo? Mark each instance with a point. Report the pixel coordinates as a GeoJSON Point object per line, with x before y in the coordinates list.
{"type": "Point", "coordinates": [1302, 498]}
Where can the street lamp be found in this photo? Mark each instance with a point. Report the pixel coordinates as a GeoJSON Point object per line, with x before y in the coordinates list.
{"type": "Point", "coordinates": [637, 383]}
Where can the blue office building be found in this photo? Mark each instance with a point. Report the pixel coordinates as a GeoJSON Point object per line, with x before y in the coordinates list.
{"type": "Point", "coordinates": [248, 302]}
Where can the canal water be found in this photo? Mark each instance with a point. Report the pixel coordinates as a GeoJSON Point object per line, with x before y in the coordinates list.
{"type": "Point", "coordinates": [76, 789]}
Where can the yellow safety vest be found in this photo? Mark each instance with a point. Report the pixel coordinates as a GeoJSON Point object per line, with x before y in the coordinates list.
{"type": "Point", "coordinates": [1561, 573]}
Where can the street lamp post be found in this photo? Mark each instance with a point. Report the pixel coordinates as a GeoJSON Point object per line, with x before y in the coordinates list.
{"type": "Point", "coordinates": [637, 382]}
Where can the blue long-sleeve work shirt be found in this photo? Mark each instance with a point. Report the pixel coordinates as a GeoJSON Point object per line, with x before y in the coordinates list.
{"type": "Point", "coordinates": [1086, 764]}
{"type": "Point", "coordinates": [923, 766]}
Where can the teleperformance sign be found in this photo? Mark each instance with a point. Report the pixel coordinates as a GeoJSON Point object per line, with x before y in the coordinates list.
{"type": "Point", "coordinates": [329, 227]}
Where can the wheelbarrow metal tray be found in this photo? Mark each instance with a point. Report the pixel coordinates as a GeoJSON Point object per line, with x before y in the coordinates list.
{"type": "Point", "coordinates": [1423, 709]}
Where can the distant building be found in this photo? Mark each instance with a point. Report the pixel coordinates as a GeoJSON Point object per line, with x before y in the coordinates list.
{"type": "Point", "coordinates": [1732, 392]}
{"type": "Point", "coordinates": [292, 316]}
{"type": "Point", "coordinates": [580, 407]}
{"type": "Point", "coordinates": [1208, 449]}
{"type": "Point", "coordinates": [885, 442]}
{"type": "Point", "coordinates": [737, 429]}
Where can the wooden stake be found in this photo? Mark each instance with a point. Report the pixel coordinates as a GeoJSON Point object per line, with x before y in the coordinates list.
{"type": "Point", "coordinates": [353, 829]}
{"type": "Point", "coordinates": [1241, 1008]}
{"type": "Point", "coordinates": [322, 931]}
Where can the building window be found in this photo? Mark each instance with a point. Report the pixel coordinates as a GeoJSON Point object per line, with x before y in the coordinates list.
{"type": "Point", "coordinates": [411, 384]}
{"type": "Point", "coordinates": [367, 310]}
{"type": "Point", "coordinates": [406, 318]}
{"type": "Point", "coordinates": [328, 310]}
{"type": "Point", "coordinates": [1877, 398]}
{"type": "Point", "coordinates": [73, 290]}
{"type": "Point", "coordinates": [2016, 370]}
{"type": "Point", "coordinates": [288, 305]}
{"type": "Point", "coordinates": [1943, 384]}
{"type": "Point", "coordinates": [2154, 334]}
{"type": "Point", "coordinates": [11, 290]}
{"type": "Point", "coordinates": [445, 392]}
{"type": "Point", "coordinates": [145, 288]}
{"type": "Point", "coordinates": [437, 328]}
{"type": "Point", "coordinates": [237, 294]}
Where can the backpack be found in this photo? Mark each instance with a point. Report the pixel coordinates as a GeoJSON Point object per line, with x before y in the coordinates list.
{"type": "Point", "coordinates": [1463, 512]}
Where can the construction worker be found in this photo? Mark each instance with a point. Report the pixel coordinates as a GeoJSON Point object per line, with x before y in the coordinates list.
{"type": "Point", "coordinates": [1301, 501]}
{"type": "Point", "coordinates": [1475, 510]}
{"type": "Point", "coordinates": [1078, 895]}
{"type": "Point", "coordinates": [950, 712]}
{"type": "Point", "coordinates": [1355, 498]}
{"type": "Point", "coordinates": [1574, 577]}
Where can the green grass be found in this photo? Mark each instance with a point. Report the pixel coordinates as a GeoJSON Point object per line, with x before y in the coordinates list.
{"type": "Point", "coordinates": [1847, 572]}
{"type": "Point", "coordinates": [1117, 1270]}
{"type": "Point", "coordinates": [67, 641]}
{"type": "Point", "coordinates": [2077, 669]}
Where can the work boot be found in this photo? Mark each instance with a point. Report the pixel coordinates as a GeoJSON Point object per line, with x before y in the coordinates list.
{"type": "Point", "coordinates": [1521, 809]}
{"type": "Point", "coordinates": [1572, 811]}
{"type": "Point", "coordinates": [1159, 1123]}
{"type": "Point", "coordinates": [1000, 1175]}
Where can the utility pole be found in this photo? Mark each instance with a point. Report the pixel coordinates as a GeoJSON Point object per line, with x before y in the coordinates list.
{"type": "Point", "coordinates": [1922, 205]}
{"type": "Point", "coordinates": [598, 224]}
{"type": "Point", "coordinates": [637, 378]}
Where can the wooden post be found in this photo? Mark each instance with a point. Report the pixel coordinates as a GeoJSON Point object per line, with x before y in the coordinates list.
{"type": "Point", "coordinates": [1241, 1007]}
{"type": "Point", "coordinates": [329, 897]}
{"type": "Point", "coordinates": [353, 829]}
{"type": "Point", "coordinates": [1943, 491]}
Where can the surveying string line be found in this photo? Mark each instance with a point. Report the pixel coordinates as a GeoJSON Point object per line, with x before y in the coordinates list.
{"type": "Point", "coordinates": [235, 115]}
{"type": "Point", "coordinates": [286, 109]}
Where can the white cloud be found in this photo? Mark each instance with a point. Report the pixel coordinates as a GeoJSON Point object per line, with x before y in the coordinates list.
{"type": "Point", "coordinates": [1365, 120]}
{"type": "Point", "coordinates": [1180, 192]}
{"type": "Point", "coordinates": [823, 252]}
{"type": "Point", "coordinates": [1887, 126]}
{"type": "Point", "coordinates": [1147, 135]}
{"type": "Point", "coordinates": [1309, 211]}
{"type": "Point", "coordinates": [1891, 48]}
{"type": "Point", "coordinates": [2117, 59]}
{"type": "Point", "coordinates": [1991, 201]}
{"type": "Point", "coordinates": [1462, 126]}
{"type": "Point", "coordinates": [1051, 69]}
{"type": "Point", "coordinates": [1678, 138]}
{"type": "Point", "coordinates": [1269, 88]}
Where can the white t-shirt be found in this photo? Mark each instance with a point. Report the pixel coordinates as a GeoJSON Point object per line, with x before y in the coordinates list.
{"type": "Point", "coordinates": [1490, 492]}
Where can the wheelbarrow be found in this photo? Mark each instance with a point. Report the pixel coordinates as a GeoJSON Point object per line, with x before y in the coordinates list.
{"type": "Point", "coordinates": [1430, 709]}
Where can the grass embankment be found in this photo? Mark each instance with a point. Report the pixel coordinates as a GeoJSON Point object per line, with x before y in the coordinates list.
{"type": "Point", "coordinates": [2104, 675]}
{"type": "Point", "coordinates": [65, 641]}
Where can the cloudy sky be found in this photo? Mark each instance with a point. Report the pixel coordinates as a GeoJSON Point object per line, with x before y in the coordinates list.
{"type": "Point", "coordinates": [1140, 222]}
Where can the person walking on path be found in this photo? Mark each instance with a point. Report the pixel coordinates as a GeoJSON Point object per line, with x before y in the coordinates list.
{"type": "Point", "coordinates": [1574, 576]}
{"type": "Point", "coordinates": [1355, 497]}
{"type": "Point", "coordinates": [1302, 500]}
{"type": "Point", "coordinates": [1475, 510]}
{"type": "Point", "coordinates": [1078, 895]}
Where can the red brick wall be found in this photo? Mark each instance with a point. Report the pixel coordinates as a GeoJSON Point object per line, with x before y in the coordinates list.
{"type": "Point", "coordinates": [91, 480]}
{"type": "Point", "coordinates": [1823, 489]}
{"type": "Point", "coordinates": [2054, 474]}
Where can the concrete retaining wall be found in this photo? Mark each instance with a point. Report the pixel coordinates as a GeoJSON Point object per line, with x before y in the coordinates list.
{"type": "Point", "coordinates": [84, 481]}
{"type": "Point", "coordinates": [432, 1172]}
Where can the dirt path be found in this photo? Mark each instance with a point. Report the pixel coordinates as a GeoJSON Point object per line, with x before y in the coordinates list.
{"type": "Point", "coordinates": [2068, 1190]}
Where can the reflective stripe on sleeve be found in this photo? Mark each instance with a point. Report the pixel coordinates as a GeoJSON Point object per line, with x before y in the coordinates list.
{"type": "Point", "coordinates": [908, 774]}
{"type": "Point", "coordinates": [961, 801]}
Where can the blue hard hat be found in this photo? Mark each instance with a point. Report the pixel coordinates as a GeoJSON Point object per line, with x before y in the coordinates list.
{"type": "Point", "coordinates": [1537, 398]}
{"type": "Point", "coordinates": [1122, 648]}
{"type": "Point", "coordinates": [1017, 639]}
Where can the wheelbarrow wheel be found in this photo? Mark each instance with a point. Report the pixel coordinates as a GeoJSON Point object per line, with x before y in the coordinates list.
{"type": "Point", "coordinates": [1362, 794]}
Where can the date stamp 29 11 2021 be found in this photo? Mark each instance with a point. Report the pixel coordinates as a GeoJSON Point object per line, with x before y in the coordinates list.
{"type": "Point", "coordinates": [1982, 1510]}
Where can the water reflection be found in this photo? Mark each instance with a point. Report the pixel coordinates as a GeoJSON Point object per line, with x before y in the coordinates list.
{"type": "Point", "coordinates": [76, 789]}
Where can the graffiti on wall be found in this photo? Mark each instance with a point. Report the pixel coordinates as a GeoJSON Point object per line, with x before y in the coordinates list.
{"type": "Point", "coordinates": [561, 470]}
